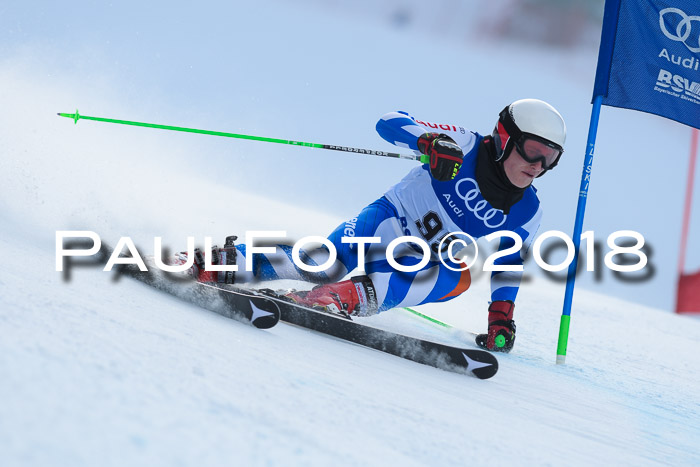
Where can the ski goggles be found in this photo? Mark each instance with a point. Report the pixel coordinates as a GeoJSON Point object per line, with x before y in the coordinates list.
{"type": "Point", "coordinates": [535, 149]}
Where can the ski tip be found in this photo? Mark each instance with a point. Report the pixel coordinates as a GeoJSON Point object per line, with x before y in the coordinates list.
{"type": "Point", "coordinates": [480, 363]}
{"type": "Point", "coordinates": [265, 313]}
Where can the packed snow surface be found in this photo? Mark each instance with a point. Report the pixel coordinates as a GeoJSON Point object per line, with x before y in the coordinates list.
{"type": "Point", "coordinates": [104, 372]}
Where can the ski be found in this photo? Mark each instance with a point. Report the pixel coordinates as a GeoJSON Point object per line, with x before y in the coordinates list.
{"type": "Point", "coordinates": [476, 362]}
{"type": "Point", "coordinates": [259, 310]}
{"type": "Point", "coordinates": [264, 308]}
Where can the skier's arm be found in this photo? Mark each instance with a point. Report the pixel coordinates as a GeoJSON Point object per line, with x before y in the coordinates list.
{"type": "Point", "coordinates": [505, 284]}
{"type": "Point", "coordinates": [445, 154]}
{"type": "Point", "coordinates": [504, 288]}
{"type": "Point", "coordinates": [400, 129]}
{"type": "Point", "coordinates": [403, 130]}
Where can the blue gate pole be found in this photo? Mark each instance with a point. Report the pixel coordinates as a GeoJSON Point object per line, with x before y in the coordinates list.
{"type": "Point", "coordinates": [578, 228]}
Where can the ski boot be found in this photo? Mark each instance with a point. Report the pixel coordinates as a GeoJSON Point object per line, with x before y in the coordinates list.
{"type": "Point", "coordinates": [354, 297]}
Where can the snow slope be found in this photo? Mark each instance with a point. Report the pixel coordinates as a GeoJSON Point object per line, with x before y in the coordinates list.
{"type": "Point", "coordinates": [103, 373]}
{"type": "Point", "coordinates": [97, 372]}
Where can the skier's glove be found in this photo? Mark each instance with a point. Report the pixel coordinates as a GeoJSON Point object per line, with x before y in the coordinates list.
{"type": "Point", "coordinates": [445, 155]}
{"type": "Point", "coordinates": [219, 256]}
{"type": "Point", "coordinates": [501, 335]}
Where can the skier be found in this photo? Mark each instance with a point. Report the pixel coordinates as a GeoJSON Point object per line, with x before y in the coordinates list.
{"type": "Point", "coordinates": [473, 184]}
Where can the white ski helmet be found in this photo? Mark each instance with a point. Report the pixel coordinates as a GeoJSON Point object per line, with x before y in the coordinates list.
{"type": "Point", "coordinates": [530, 119]}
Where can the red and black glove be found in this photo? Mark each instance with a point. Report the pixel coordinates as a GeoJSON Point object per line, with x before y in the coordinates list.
{"type": "Point", "coordinates": [501, 335]}
{"type": "Point", "coordinates": [219, 256]}
{"type": "Point", "coordinates": [445, 155]}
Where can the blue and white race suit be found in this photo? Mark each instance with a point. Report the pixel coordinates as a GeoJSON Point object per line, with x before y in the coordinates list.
{"type": "Point", "coordinates": [425, 208]}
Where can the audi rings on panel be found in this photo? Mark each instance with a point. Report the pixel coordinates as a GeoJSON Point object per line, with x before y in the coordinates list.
{"type": "Point", "coordinates": [496, 216]}
{"type": "Point", "coordinates": [683, 29]}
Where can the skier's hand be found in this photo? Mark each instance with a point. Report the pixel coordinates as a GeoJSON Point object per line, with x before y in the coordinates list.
{"type": "Point", "coordinates": [501, 335]}
{"type": "Point", "coordinates": [445, 155]}
{"type": "Point", "coordinates": [219, 256]}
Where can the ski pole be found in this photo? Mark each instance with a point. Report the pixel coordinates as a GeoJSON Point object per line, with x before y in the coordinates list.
{"type": "Point", "coordinates": [460, 332]}
{"type": "Point", "coordinates": [429, 318]}
{"type": "Point", "coordinates": [76, 116]}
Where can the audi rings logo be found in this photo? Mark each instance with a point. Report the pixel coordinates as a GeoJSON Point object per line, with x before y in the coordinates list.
{"type": "Point", "coordinates": [684, 29]}
{"type": "Point", "coordinates": [490, 217]}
